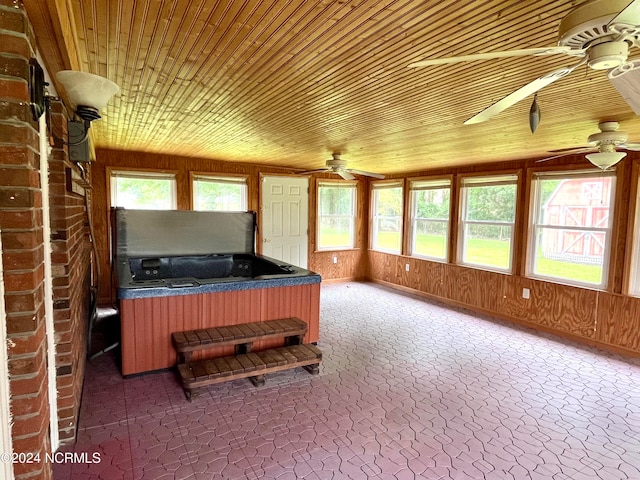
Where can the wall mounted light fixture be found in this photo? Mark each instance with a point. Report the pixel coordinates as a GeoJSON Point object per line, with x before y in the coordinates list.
{"type": "Point", "coordinates": [88, 94]}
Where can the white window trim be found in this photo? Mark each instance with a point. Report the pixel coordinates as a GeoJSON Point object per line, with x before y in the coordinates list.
{"type": "Point", "coordinates": [213, 178]}
{"type": "Point", "coordinates": [381, 186]}
{"type": "Point", "coordinates": [535, 226]}
{"type": "Point", "coordinates": [354, 202]}
{"type": "Point", "coordinates": [146, 175]}
{"type": "Point", "coordinates": [484, 181]}
{"type": "Point", "coordinates": [421, 185]}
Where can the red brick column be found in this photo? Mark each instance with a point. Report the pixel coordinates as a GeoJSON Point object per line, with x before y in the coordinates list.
{"type": "Point", "coordinates": [22, 243]}
{"type": "Point", "coordinates": [70, 259]}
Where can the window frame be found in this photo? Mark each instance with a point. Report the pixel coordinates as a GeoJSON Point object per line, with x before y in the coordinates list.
{"type": "Point", "coordinates": [353, 186]}
{"type": "Point", "coordinates": [422, 184]}
{"type": "Point", "coordinates": [114, 173]}
{"type": "Point", "coordinates": [242, 180]}
{"type": "Point", "coordinates": [535, 225]}
{"type": "Point", "coordinates": [486, 180]}
{"type": "Point", "coordinates": [382, 185]}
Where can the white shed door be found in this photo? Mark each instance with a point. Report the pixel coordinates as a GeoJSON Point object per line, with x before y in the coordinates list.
{"type": "Point", "coordinates": [285, 218]}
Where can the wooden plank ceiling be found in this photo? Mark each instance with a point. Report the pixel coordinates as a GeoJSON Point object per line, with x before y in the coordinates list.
{"type": "Point", "coordinates": [286, 82]}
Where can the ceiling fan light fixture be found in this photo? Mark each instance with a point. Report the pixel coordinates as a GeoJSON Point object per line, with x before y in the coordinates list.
{"type": "Point", "coordinates": [605, 160]}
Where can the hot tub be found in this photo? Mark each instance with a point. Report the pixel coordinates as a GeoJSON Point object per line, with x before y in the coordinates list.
{"type": "Point", "coordinates": [194, 270]}
{"type": "Point", "coordinates": [184, 270]}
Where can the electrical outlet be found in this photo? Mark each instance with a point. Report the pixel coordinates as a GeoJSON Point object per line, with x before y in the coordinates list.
{"type": "Point", "coordinates": [526, 293]}
{"type": "Point", "coordinates": [406, 267]}
{"type": "Point", "coordinates": [335, 259]}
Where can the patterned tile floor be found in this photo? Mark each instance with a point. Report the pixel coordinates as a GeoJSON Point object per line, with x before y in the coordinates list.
{"type": "Point", "coordinates": [407, 390]}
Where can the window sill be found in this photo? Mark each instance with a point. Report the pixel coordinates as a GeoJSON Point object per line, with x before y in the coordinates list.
{"type": "Point", "coordinates": [337, 249]}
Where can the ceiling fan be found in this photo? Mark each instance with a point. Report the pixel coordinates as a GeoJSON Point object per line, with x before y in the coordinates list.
{"type": "Point", "coordinates": [339, 166]}
{"type": "Point", "coordinates": [598, 31]}
{"type": "Point", "coordinates": [604, 145]}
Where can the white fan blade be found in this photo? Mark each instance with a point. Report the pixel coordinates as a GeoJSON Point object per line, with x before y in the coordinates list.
{"type": "Point", "coordinates": [491, 55]}
{"type": "Point", "coordinates": [631, 146]}
{"type": "Point", "coordinates": [630, 15]}
{"type": "Point", "coordinates": [521, 94]}
{"type": "Point", "coordinates": [320, 170]}
{"type": "Point", "coordinates": [626, 80]}
{"type": "Point", "coordinates": [569, 152]}
{"type": "Point", "coordinates": [344, 174]}
{"type": "Point", "coordinates": [367, 174]}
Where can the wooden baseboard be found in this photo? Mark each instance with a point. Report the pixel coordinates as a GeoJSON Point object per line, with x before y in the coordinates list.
{"type": "Point", "coordinates": [539, 328]}
{"type": "Point", "coordinates": [343, 280]}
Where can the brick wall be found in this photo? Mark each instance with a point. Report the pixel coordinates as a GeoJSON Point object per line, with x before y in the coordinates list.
{"type": "Point", "coordinates": [70, 258]}
{"type": "Point", "coordinates": [21, 226]}
{"type": "Point", "coordinates": [22, 241]}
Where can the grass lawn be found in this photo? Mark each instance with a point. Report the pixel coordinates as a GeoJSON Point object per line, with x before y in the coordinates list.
{"type": "Point", "coordinates": [480, 251]}
{"type": "Point", "coordinates": [495, 253]}
{"type": "Point", "coordinates": [568, 270]}
{"type": "Point", "coordinates": [332, 238]}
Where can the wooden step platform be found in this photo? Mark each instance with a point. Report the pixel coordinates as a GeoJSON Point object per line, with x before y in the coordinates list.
{"type": "Point", "coordinates": [253, 365]}
{"type": "Point", "coordinates": [243, 335]}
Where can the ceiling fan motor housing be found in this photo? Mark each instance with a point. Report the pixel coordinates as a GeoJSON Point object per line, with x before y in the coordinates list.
{"type": "Point", "coordinates": [609, 137]}
{"type": "Point", "coordinates": [336, 162]}
{"type": "Point", "coordinates": [607, 55]}
{"type": "Point", "coordinates": [587, 26]}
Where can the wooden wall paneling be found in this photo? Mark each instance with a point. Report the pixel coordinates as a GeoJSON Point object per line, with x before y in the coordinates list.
{"type": "Point", "coordinates": [405, 245]}
{"type": "Point", "coordinates": [621, 222]}
{"type": "Point", "coordinates": [618, 321]}
{"type": "Point", "coordinates": [631, 230]}
{"type": "Point", "coordinates": [563, 308]}
{"type": "Point", "coordinates": [382, 266]}
{"type": "Point", "coordinates": [519, 253]}
{"type": "Point", "coordinates": [510, 302]}
{"type": "Point", "coordinates": [470, 286]}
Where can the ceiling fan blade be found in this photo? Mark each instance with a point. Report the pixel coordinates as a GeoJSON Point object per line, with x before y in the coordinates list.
{"type": "Point", "coordinates": [522, 93]}
{"type": "Point", "coordinates": [319, 170]}
{"type": "Point", "coordinates": [626, 80]}
{"type": "Point", "coordinates": [367, 174]}
{"type": "Point", "coordinates": [344, 174]}
{"type": "Point", "coordinates": [629, 15]}
{"type": "Point", "coordinates": [490, 56]}
{"type": "Point", "coordinates": [635, 147]}
{"type": "Point", "coordinates": [569, 152]}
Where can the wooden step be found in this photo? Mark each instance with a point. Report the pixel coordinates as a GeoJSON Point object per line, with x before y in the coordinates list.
{"type": "Point", "coordinates": [193, 340]}
{"type": "Point", "coordinates": [201, 373]}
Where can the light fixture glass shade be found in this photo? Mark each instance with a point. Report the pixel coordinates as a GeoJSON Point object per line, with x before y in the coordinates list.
{"type": "Point", "coordinates": [605, 160]}
{"type": "Point", "coordinates": [87, 89]}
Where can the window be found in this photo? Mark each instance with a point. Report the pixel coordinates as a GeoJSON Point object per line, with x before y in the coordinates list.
{"type": "Point", "coordinates": [143, 190]}
{"type": "Point", "coordinates": [220, 194]}
{"type": "Point", "coordinates": [387, 217]}
{"type": "Point", "coordinates": [336, 215]}
{"type": "Point", "coordinates": [430, 206]}
{"type": "Point", "coordinates": [487, 221]}
{"type": "Point", "coordinates": [572, 221]}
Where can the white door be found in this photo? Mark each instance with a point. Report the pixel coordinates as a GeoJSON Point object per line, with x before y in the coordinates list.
{"type": "Point", "coordinates": [285, 218]}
